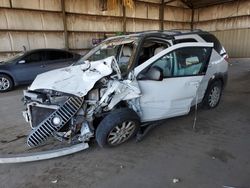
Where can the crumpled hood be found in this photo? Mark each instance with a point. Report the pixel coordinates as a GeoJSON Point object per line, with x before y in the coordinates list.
{"type": "Point", "coordinates": [76, 80]}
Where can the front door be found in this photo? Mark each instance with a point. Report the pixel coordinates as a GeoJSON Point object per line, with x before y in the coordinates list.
{"type": "Point", "coordinates": [33, 64]}
{"type": "Point", "coordinates": [182, 67]}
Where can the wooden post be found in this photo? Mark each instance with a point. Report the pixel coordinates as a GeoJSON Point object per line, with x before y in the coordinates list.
{"type": "Point", "coordinates": [161, 16]}
{"type": "Point", "coordinates": [124, 20]}
{"type": "Point", "coordinates": [10, 3]}
{"type": "Point", "coordinates": [65, 24]}
{"type": "Point", "coordinates": [192, 20]}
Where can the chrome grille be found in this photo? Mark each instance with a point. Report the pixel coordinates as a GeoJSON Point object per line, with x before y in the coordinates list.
{"type": "Point", "coordinates": [46, 128]}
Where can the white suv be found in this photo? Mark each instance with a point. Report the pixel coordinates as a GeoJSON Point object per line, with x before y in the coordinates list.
{"type": "Point", "coordinates": [125, 83]}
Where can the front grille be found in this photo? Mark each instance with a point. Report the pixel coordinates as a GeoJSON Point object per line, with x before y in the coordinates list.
{"type": "Point", "coordinates": [46, 128]}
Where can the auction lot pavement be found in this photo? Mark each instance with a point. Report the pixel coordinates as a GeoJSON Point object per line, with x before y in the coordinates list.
{"type": "Point", "coordinates": [217, 154]}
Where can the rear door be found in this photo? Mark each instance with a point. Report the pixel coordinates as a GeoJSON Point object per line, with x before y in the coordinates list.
{"type": "Point", "coordinates": [57, 59]}
{"type": "Point", "coordinates": [183, 67]}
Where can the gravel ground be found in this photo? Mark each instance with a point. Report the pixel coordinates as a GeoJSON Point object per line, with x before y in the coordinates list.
{"type": "Point", "coordinates": [217, 154]}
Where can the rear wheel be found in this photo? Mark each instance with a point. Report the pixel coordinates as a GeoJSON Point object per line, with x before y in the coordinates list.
{"type": "Point", "coordinates": [213, 95]}
{"type": "Point", "coordinates": [117, 127]}
{"type": "Point", "coordinates": [6, 83]}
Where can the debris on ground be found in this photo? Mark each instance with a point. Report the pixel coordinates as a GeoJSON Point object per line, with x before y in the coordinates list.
{"type": "Point", "coordinates": [176, 180]}
{"type": "Point", "coordinates": [54, 181]}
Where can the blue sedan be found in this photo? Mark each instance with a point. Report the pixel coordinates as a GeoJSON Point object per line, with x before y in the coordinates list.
{"type": "Point", "coordinates": [24, 67]}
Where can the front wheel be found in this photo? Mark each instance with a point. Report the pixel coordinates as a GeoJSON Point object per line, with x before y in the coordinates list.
{"type": "Point", "coordinates": [213, 95]}
{"type": "Point", "coordinates": [6, 84]}
{"type": "Point", "coordinates": [117, 127]}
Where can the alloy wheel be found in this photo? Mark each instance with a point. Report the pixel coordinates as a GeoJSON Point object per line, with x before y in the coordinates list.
{"type": "Point", "coordinates": [214, 96]}
{"type": "Point", "coordinates": [121, 133]}
{"type": "Point", "coordinates": [4, 83]}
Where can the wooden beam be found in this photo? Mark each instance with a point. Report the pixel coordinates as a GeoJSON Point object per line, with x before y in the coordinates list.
{"type": "Point", "coordinates": [170, 1]}
{"type": "Point", "coordinates": [30, 9]}
{"type": "Point", "coordinates": [66, 39]}
{"type": "Point", "coordinates": [189, 4]}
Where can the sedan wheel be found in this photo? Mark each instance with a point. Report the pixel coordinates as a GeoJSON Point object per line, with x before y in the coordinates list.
{"type": "Point", "coordinates": [5, 83]}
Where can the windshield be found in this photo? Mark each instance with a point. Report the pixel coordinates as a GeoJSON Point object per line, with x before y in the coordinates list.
{"type": "Point", "coordinates": [121, 48]}
{"type": "Point", "coordinates": [16, 56]}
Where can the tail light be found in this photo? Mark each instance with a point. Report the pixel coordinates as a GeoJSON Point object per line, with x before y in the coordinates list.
{"type": "Point", "coordinates": [226, 57]}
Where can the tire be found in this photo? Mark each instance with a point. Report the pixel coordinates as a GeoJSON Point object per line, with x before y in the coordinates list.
{"type": "Point", "coordinates": [213, 95]}
{"type": "Point", "coordinates": [117, 127]}
{"type": "Point", "coordinates": [6, 83]}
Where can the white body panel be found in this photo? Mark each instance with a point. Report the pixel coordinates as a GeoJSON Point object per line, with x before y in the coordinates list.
{"type": "Point", "coordinates": [73, 79]}
{"type": "Point", "coordinates": [217, 64]}
{"type": "Point", "coordinates": [167, 98]}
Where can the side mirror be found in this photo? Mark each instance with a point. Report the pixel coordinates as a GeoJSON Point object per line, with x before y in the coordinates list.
{"type": "Point", "coordinates": [85, 66]}
{"type": "Point", "coordinates": [154, 73]}
{"type": "Point", "coordinates": [21, 62]}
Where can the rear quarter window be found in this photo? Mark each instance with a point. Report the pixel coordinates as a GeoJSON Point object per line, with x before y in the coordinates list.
{"type": "Point", "coordinates": [177, 41]}
{"type": "Point", "coordinates": [217, 45]}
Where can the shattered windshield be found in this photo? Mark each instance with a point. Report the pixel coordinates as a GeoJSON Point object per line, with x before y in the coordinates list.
{"type": "Point", "coordinates": [121, 48]}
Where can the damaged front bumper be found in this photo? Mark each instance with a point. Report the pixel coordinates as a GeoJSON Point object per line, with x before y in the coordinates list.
{"type": "Point", "coordinates": [30, 157]}
{"type": "Point", "coordinates": [54, 119]}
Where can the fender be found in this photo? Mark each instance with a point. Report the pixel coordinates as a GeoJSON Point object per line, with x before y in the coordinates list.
{"type": "Point", "coordinates": [10, 75]}
{"type": "Point", "coordinates": [219, 76]}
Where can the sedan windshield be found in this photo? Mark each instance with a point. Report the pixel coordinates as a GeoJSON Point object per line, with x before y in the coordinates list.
{"type": "Point", "coordinates": [121, 48]}
{"type": "Point", "coordinates": [16, 56]}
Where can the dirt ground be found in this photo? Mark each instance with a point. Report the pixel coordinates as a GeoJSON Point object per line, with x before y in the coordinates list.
{"type": "Point", "coordinates": [217, 154]}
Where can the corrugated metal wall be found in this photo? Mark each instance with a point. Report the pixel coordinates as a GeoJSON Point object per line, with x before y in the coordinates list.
{"type": "Point", "coordinates": [39, 23]}
{"type": "Point", "coordinates": [230, 22]}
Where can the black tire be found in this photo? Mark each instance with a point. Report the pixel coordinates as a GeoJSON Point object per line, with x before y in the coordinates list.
{"type": "Point", "coordinates": [207, 100]}
{"type": "Point", "coordinates": [107, 129]}
{"type": "Point", "coordinates": [6, 83]}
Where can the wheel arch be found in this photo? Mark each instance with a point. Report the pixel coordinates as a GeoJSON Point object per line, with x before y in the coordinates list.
{"type": "Point", "coordinates": [9, 75]}
{"type": "Point", "coordinates": [111, 120]}
{"type": "Point", "coordinates": [222, 77]}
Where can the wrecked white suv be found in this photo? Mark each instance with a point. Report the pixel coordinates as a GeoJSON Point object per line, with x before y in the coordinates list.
{"type": "Point", "coordinates": [125, 83]}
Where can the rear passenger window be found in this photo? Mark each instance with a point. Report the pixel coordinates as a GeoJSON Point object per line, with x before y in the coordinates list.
{"type": "Point", "coordinates": [191, 61]}
{"type": "Point", "coordinates": [184, 62]}
{"type": "Point", "coordinates": [217, 45]}
{"type": "Point", "coordinates": [57, 55]}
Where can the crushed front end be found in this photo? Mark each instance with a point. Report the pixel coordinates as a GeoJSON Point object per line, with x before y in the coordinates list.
{"type": "Point", "coordinates": [55, 115]}
{"type": "Point", "coordinates": [68, 113]}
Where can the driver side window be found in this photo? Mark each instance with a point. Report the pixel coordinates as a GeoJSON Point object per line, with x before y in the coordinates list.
{"type": "Point", "coordinates": [191, 61]}
{"type": "Point", "coordinates": [165, 64]}
{"type": "Point", "coordinates": [34, 57]}
{"type": "Point", "coordinates": [187, 61]}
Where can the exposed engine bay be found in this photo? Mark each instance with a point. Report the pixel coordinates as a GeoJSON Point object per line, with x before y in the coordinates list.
{"type": "Point", "coordinates": [75, 99]}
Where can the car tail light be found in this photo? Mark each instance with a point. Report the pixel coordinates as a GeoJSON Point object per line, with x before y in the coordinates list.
{"type": "Point", "coordinates": [226, 57]}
